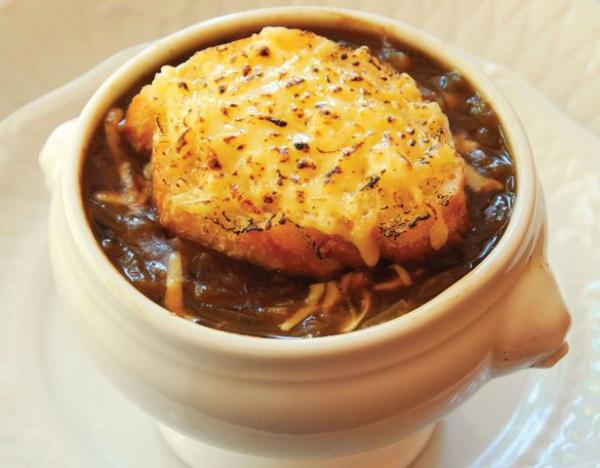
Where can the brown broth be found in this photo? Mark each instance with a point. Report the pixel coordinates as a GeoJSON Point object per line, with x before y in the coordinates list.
{"type": "Point", "coordinates": [235, 296]}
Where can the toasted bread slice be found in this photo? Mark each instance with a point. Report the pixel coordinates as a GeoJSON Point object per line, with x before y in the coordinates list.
{"type": "Point", "coordinates": [298, 154]}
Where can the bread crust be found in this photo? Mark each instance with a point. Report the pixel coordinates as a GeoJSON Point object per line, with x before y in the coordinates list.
{"type": "Point", "coordinates": [299, 251]}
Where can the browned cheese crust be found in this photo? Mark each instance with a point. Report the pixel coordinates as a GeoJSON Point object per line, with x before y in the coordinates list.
{"type": "Point", "coordinates": [295, 153]}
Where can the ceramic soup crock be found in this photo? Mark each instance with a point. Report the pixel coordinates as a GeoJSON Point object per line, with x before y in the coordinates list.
{"type": "Point", "coordinates": [219, 396]}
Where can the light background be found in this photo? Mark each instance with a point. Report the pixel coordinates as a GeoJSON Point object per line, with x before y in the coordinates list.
{"type": "Point", "coordinates": [44, 43]}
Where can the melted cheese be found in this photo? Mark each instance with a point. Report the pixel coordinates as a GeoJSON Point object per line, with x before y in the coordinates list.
{"type": "Point", "coordinates": [289, 125]}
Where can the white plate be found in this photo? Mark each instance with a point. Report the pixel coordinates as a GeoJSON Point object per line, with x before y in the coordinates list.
{"type": "Point", "coordinates": [56, 410]}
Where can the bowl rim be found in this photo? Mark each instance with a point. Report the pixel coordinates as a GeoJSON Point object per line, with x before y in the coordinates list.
{"type": "Point", "coordinates": [503, 259]}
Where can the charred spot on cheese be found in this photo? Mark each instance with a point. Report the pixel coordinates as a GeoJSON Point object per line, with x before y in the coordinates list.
{"type": "Point", "coordinates": [342, 143]}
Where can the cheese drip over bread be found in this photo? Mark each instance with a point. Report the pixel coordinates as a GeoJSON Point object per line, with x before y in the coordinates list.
{"type": "Point", "coordinates": [288, 127]}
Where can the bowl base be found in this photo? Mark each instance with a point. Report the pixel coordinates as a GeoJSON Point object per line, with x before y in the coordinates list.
{"type": "Point", "coordinates": [199, 455]}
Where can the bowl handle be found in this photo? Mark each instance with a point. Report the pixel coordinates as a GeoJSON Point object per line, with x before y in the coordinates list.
{"type": "Point", "coordinates": [533, 319]}
{"type": "Point", "coordinates": [53, 152]}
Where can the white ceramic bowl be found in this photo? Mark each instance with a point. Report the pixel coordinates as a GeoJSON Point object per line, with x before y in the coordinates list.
{"type": "Point", "coordinates": [321, 397]}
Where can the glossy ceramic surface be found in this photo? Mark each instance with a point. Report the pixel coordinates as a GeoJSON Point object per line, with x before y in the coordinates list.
{"type": "Point", "coordinates": [329, 396]}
